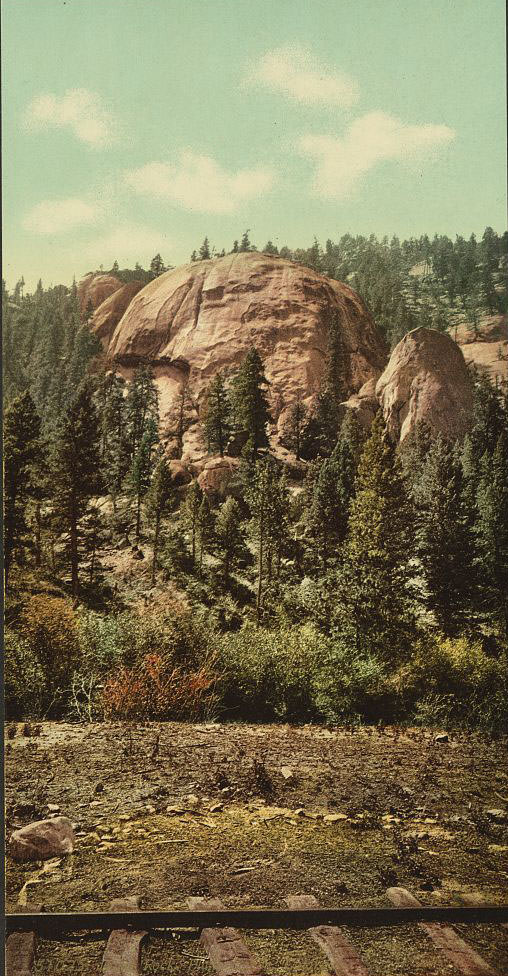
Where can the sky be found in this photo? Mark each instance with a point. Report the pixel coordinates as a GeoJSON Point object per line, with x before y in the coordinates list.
{"type": "Point", "coordinates": [132, 127]}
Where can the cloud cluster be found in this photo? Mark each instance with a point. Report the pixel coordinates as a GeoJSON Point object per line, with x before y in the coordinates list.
{"type": "Point", "coordinates": [127, 243]}
{"type": "Point", "coordinates": [199, 183]}
{"type": "Point", "coordinates": [291, 71]}
{"type": "Point", "coordinates": [79, 110]}
{"type": "Point", "coordinates": [59, 216]}
{"type": "Point", "coordinates": [371, 139]}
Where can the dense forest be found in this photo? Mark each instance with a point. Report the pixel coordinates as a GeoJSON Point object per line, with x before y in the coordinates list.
{"type": "Point", "coordinates": [365, 583]}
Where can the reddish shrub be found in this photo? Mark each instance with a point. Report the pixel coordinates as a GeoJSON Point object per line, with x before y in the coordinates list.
{"type": "Point", "coordinates": [153, 690]}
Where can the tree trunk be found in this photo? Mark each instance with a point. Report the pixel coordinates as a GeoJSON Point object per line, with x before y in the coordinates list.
{"type": "Point", "coordinates": [38, 534]}
{"type": "Point", "coordinates": [138, 515]}
{"type": "Point", "coordinates": [74, 553]}
{"type": "Point", "coordinates": [155, 546]}
{"type": "Point", "coordinates": [260, 567]}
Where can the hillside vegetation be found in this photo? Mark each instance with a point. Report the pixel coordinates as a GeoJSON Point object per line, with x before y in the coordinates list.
{"type": "Point", "coordinates": [356, 581]}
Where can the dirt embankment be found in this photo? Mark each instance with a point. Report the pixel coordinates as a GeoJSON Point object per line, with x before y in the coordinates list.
{"type": "Point", "coordinates": [252, 814]}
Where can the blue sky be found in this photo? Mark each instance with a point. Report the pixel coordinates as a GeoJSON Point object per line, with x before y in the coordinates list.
{"type": "Point", "coordinates": [131, 127]}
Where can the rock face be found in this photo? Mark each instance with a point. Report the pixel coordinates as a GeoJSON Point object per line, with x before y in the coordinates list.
{"type": "Point", "coordinates": [96, 288]}
{"type": "Point", "coordinates": [487, 349]}
{"type": "Point", "coordinates": [108, 314]}
{"type": "Point", "coordinates": [203, 317]}
{"type": "Point", "coordinates": [426, 379]}
{"type": "Point", "coordinates": [42, 839]}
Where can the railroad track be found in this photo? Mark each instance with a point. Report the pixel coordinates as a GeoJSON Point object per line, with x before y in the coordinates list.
{"type": "Point", "coordinates": [125, 927]}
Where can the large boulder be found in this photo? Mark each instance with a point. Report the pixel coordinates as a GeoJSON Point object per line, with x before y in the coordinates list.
{"type": "Point", "coordinates": [95, 288]}
{"type": "Point", "coordinates": [108, 314]}
{"type": "Point", "coordinates": [485, 347]}
{"type": "Point", "coordinates": [203, 317]}
{"type": "Point", "coordinates": [426, 379]}
{"type": "Point", "coordinates": [42, 839]}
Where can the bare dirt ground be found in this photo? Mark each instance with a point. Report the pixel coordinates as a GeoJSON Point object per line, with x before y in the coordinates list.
{"type": "Point", "coordinates": [252, 814]}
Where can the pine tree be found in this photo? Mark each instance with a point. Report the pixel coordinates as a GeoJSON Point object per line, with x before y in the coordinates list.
{"type": "Point", "coordinates": [115, 447]}
{"type": "Point", "coordinates": [142, 465]}
{"type": "Point", "coordinates": [205, 530]}
{"type": "Point", "coordinates": [21, 454]}
{"type": "Point", "coordinates": [260, 499]}
{"type": "Point", "coordinates": [444, 540]}
{"type": "Point", "coordinates": [492, 531]}
{"type": "Point", "coordinates": [159, 498]}
{"type": "Point", "coordinates": [217, 415]}
{"type": "Point", "coordinates": [292, 434]}
{"type": "Point", "coordinates": [190, 509]}
{"type": "Point", "coordinates": [324, 510]}
{"type": "Point", "coordinates": [141, 406]}
{"type": "Point", "coordinates": [157, 266]}
{"type": "Point", "coordinates": [250, 405]}
{"type": "Point", "coordinates": [204, 251]}
{"type": "Point", "coordinates": [373, 582]}
{"type": "Point", "coordinates": [229, 535]}
{"type": "Point", "coordinates": [76, 470]}
{"type": "Point", "coordinates": [345, 458]}
{"type": "Point", "coordinates": [245, 244]}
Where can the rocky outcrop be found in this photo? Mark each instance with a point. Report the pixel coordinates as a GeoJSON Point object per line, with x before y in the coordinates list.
{"type": "Point", "coordinates": [486, 347]}
{"type": "Point", "coordinates": [217, 475]}
{"type": "Point", "coordinates": [95, 288]}
{"type": "Point", "coordinates": [364, 404]}
{"type": "Point", "coordinates": [203, 317]}
{"type": "Point", "coordinates": [108, 314]}
{"type": "Point", "coordinates": [426, 379]}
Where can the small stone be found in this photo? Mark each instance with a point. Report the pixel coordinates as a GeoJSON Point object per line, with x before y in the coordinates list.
{"type": "Point", "coordinates": [216, 807]}
{"type": "Point", "coordinates": [287, 773]}
{"type": "Point", "coordinates": [442, 737]}
{"type": "Point", "coordinates": [53, 807]}
{"type": "Point", "coordinates": [335, 817]}
{"type": "Point", "coordinates": [191, 800]}
{"type": "Point", "coordinates": [500, 816]}
{"type": "Point", "coordinates": [99, 788]}
{"type": "Point", "coordinates": [42, 839]}
{"type": "Point", "coordinates": [95, 803]}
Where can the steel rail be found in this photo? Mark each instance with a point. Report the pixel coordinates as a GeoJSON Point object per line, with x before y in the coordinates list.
{"type": "Point", "coordinates": [47, 925]}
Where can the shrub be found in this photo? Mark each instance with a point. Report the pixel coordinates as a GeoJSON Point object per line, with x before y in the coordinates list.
{"type": "Point", "coordinates": [48, 626]}
{"type": "Point", "coordinates": [452, 681]}
{"type": "Point", "coordinates": [152, 689]}
{"type": "Point", "coordinates": [25, 682]}
{"type": "Point", "coordinates": [354, 687]}
{"type": "Point", "coordinates": [269, 674]}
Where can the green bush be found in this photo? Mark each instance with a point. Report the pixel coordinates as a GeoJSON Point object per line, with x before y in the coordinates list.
{"type": "Point", "coordinates": [24, 679]}
{"type": "Point", "coordinates": [452, 681]}
{"type": "Point", "coordinates": [355, 687]}
{"type": "Point", "coordinates": [269, 674]}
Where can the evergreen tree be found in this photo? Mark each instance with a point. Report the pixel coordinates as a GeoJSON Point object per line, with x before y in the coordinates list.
{"type": "Point", "coordinates": [205, 530]}
{"type": "Point", "coordinates": [141, 406]}
{"type": "Point", "coordinates": [191, 507]}
{"type": "Point", "coordinates": [229, 535]}
{"type": "Point", "coordinates": [204, 251]}
{"type": "Point", "coordinates": [270, 248]}
{"type": "Point", "coordinates": [159, 498]}
{"type": "Point", "coordinates": [292, 435]}
{"type": "Point", "coordinates": [324, 510]}
{"type": "Point", "coordinates": [21, 454]}
{"type": "Point", "coordinates": [250, 405]}
{"type": "Point", "coordinates": [142, 465]}
{"type": "Point", "coordinates": [157, 266]}
{"type": "Point", "coordinates": [217, 415]}
{"type": "Point", "coordinates": [345, 458]}
{"type": "Point", "coordinates": [115, 447]}
{"type": "Point", "coordinates": [76, 470]}
{"type": "Point", "coordinates": [444, 540]}
{"type": "Point", "coordinates": [245, 244]}
{"type": "Point", "coordinates": [492, 531]}
{"type": "Point", "coordinates": [260, 495]}
{"type": "Point", "coordinates": [373, 582]}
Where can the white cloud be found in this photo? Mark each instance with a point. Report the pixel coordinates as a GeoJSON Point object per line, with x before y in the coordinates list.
{"type": "Point", "coordinates": [59, 216]}
{"type": "Point", "coordinates": [292, 71]}
{"type": "Point", "coordinates": [128, 243]}
{"type": "Point", "coordinates": [373, 138]}
{"type": "Point", "coordinates": [79, 110]}
{"type": "Point", "coordinates": [199, 183]}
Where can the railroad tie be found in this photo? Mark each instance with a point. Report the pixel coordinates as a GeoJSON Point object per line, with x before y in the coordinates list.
{"type": "Point", "coordinates": [459, 953]}
{"type": "Point", "coordinates": [227, 952]}
{"type": "Point", "coordinates": [20, 954]}
{"type": "Point", "coordinates": [341, 954]}
{"type": "Point", "coordinates": [122, 955]}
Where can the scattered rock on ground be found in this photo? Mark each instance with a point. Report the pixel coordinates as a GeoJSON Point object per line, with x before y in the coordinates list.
{"type": "Point", "coordinates": [42, 839]}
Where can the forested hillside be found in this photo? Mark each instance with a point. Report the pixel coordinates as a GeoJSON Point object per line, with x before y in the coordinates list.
{"type": "Point", "coordinates": [356, 580]}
